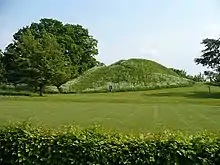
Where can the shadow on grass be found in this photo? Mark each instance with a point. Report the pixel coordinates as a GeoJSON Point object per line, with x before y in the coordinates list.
{"type": "Point", "coordinates": [198, 95]}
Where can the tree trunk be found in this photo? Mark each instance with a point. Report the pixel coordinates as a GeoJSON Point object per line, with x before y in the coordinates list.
{"type": "Point", "coordinates": [41, 89]}
{"type": "Point", "coordinates": [35, 89]}
{"type": "Point", "coordinates": [59, 89]}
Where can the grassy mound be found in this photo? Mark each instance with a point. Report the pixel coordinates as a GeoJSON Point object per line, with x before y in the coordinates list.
{"type": "Point", "coordinates": [126, 75]}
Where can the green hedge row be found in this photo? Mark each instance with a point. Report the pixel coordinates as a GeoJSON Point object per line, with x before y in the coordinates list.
{"type": "Point", "coordinates": [15, 93]}
{"type": "Point", "coordinates": [26, 144]}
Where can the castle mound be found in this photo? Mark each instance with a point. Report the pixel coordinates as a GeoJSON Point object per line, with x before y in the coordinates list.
{"type": "Point", "coordinates": [126, 75]}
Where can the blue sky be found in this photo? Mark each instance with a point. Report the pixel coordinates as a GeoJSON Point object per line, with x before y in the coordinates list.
{"type": "Point", "coordinates": [166, 31]}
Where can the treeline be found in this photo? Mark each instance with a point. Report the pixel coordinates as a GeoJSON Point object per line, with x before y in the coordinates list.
{"type": "Point", "coordinates": [48, 53]}
{"type": "Point", "coordinates": [209, 77]}
{"type": "Point", "coordinates": [197, 78]}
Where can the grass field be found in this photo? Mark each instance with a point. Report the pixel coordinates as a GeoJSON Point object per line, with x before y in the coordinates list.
{"type": "Point", "coordinates": [187, 109]}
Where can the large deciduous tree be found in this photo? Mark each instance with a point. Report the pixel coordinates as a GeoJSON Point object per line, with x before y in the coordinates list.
{"type": "Point", "coordinates": [41, 41]}
{"type": "Point", "coordinates": [75, 40]}
{"type": "Point", "coordinates": [41, 61]}
{"type": "Point", "coordinates": [210, 57]}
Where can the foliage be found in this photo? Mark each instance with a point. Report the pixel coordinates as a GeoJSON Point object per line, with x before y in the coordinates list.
{"type": "Point", "coordinates": [126, 75]}
{"type": "Point", "coordinates": [76, 42]}
{"type": "Point", "coordinates": [197, 78]}
{"type": "Point", "coordinates": [181, 73]}
{"type": "Point", "coordinates": [18, 90]}
{"type": "Point", "coordinates": [210, 57]}
{"type": "Point", "coordinates": [11, 64]}
{"type": "Point", "coordinates": [23, 143]}
{"type": "Point", "coordinates": [100, 64]}
{"type": "Point", "coordinates": [1, 68]}
{"type": "Point", "coordinates": [41, 61]}
{"type": "Point", "coordinates": [72, 45]}
{"type": "Point", "coordinates": [15, 93]}
{"type": "Point", "coordinates": [212, 76]}
{"type": "Point", "coordinates": [52, 90]}
{"type": "Point", "coordinates": [20, 87]}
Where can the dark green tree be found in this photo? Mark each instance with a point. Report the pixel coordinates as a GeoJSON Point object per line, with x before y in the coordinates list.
{"type": "Point", "coordinates": [100, 64]}
{"type": "Point", "coordinates": [10, 62]}
{"type": "Point", "coordinates": [75, 41]}
{"type": "Point", "coordinates": [41, 61]}
{"type": "Point", "coordinates": [180, 72]}
{"type": "Point", "coordinates": [210, 58]}
{"type": "Point", "coordinates": [199, 78]}
{"type": "Point", "coordinates": [213, 77]}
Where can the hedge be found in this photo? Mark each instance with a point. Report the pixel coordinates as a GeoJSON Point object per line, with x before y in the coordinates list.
{"type": "Point", "coordinates": [23, 143]}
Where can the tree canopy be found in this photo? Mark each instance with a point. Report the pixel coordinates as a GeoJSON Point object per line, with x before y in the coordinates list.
{"type": "Point", "coordinates": [210, 57]}
{"type": "Point", "coordinates": [197, 78]}
{"type": "Point", "coordinates": [75, 41]}
{"type": "Point", "coordinates": [49, 53]}
{"type": "Point", "coordinates": [181, 73]}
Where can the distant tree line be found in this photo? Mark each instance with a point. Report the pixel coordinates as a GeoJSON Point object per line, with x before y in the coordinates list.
{"type": "Point", "coordinates": [48, 53]}
{"type": "Point", "coordinates": [197, 78]}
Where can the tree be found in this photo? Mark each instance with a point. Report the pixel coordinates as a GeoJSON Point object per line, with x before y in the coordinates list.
{"type": "Point", "coordinates": [199, 78]}
{"type": "Point", "coordinates": [210, 57]}
{"type": "Point", "coordinates": [75, 41]}
{"type": "Point", "coordinates": [100, 64]}
{"type": "Point", "coordinates": [212, 76]}
{"type": "Point", "coordinates": [41, 61]}
{"type": "Point", "coordinates": [11, 64]}
{"type": "Point", "coordinates": [181, 73]}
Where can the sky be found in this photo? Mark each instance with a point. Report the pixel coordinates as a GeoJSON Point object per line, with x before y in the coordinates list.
{"type": "Point", "coordinates": [166, 31]}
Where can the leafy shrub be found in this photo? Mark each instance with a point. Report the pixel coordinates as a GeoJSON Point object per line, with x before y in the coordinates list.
{"type": "Point", "coordinates": [51, 89]}
{"type": "Point", "coordinates": [18, 87]}
{"type": "Point", "coordinates": [23, 143]}
{"type": "Point", "coordinates": [15, 93]}
{"type": "Point", "coordinates": [19, 90]}
{"type": "Point", "coordinates": [23, 90]}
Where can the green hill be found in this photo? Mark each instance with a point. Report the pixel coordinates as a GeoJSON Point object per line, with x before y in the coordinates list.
{"type": "Point", "coordinates": [126, 75]}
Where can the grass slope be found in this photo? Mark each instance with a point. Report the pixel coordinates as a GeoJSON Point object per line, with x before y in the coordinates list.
{"type": "Point", "coordinates": [126, 75]}
{"type": "Point", "coordinates": [188, 109]}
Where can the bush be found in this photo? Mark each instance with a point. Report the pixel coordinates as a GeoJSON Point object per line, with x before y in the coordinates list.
{"type": "Point", "coordinates": [18, 90]}
{"type": "Point", "coordinates": [23, 143]}
{"type": "Point", "coordinates": [23, 90]}
{"type": "Point", "coordinates": [15, 93]}
{"type": "Point", "coordinates": [18, 87]}
{"type": "Point", "coordinates": [51, 90]}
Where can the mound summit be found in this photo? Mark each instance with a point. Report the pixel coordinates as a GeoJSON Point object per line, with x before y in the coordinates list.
{"type": "Point", "coordinates": [126, 75]}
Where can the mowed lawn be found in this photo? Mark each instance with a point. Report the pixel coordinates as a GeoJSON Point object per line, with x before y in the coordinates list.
{"type": "Point", "coordinates": [188, 109]}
